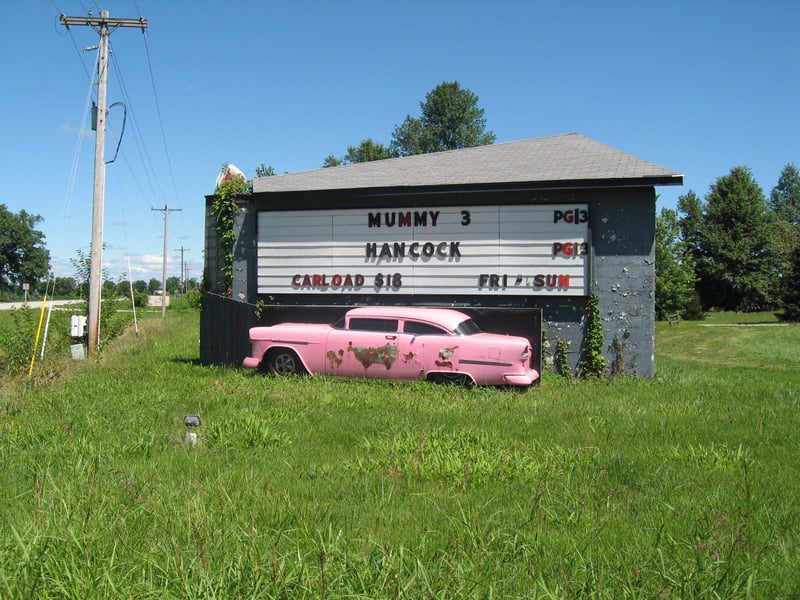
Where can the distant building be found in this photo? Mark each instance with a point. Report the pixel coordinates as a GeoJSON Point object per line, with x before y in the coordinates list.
{"type": "Point", "coordinates": [533, 225]}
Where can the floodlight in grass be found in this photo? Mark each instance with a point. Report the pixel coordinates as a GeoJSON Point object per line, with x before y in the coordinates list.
{"type": "Point", "coordinates": [191, 421]}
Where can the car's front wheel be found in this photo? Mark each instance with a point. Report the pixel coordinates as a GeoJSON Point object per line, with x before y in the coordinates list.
{"type": "Point", "coordinates": [283, 362]}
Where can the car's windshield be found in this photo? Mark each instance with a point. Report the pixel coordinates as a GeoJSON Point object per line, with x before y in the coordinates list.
{"type": "Point", "coordinates": [468, 327]}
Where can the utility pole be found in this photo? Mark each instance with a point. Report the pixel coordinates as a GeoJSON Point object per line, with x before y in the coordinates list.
{"type": "Point", "coordinates": [164, 267]}
{"type": "Point", "coordinates": [183, 273]}
{"type": "Point", "coordinates": [103, 25]}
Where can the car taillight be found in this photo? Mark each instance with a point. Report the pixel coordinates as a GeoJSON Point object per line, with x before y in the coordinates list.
{"type": "Point", "coordinates": [526, 353]}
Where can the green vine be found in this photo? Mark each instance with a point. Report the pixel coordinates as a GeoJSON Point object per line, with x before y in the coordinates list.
{"type": "Point", "coordinates": [593, 362]}
{"type": "Point", "coordinates": [259, 308]}
{"type": "Point", "coordinates": [618, 347]}
{"type": "Point", "coordinates": [562, 359]}
{"type": "Point", "coordinates": [225, 209]}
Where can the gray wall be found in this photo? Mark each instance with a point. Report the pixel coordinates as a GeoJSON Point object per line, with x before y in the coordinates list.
{"type": "Point", "coordinates": [623, 276]}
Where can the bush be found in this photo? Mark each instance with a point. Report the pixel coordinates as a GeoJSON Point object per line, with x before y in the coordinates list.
{"type": "Point", "coordinates": [191, 300]}
{"type": "Point", "coordinates": [194, 298]}
{"type": "Point", "coordinates": [562, 367]}
{"type": "Point", "coordinates": [18, 329]}
{"type": "Point", "coordinates": [140, 299]}
{"type": "Point", "coordinates": [693, 310]}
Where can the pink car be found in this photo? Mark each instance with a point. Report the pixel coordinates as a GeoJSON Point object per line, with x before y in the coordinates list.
{"type": "Point", "coordinates": [390, 342]}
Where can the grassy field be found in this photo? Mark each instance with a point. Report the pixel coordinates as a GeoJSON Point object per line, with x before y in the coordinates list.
{"type": "Point", "coordinates": [684, 486]}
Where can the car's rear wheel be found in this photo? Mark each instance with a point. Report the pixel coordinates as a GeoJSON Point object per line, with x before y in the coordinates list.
{"type": "Point", "coordinates": [283, 362]}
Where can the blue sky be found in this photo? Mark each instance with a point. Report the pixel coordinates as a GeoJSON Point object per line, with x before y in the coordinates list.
{"type": "Point", "coordinates": [697, 87]}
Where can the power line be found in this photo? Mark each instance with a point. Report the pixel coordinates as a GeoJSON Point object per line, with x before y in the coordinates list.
{"type": "Point", "coordinates": [161, 126]}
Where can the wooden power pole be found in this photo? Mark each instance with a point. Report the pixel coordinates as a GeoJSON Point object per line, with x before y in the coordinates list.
{"type": "Point", "coordinates": [164, 263]}
{"type": "Point", "coordinates": [103, 25]}
{"type": "Point", "coordinates": [183, 270]}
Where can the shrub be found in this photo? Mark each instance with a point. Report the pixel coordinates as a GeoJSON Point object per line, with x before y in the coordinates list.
{"type": "Point", "coordinates": [194, 298]}
{"type": "Point", "coordinates": [140, 299]}
{"type": "Point", "coordinates": [18, 337]}
{"type": "Point", "coordinates": [191, 300]}
{"type": "Point", "coordinates": [562, 367]}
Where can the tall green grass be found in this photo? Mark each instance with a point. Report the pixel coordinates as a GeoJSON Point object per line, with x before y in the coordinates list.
{"type": "Point", "coordinates": [681, 486]}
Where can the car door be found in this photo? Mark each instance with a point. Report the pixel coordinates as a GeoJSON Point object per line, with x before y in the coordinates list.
{"type": "Point", "coordinates": [425, 347]}
{"type": "Point", "coordinates": [367, 347]}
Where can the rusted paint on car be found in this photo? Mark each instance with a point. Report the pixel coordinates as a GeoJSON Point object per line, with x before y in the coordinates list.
{"type": "Point", "coordinates": [335, 358]}
{"type": "Point", "coordinates": [384, 355]}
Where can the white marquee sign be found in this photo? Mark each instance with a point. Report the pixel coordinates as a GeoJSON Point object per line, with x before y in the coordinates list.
{"type": "Point", "coordinates": [474, 250]}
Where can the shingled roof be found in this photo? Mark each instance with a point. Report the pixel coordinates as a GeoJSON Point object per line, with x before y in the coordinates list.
{"type": "Point", "coordinates": [558, 161]}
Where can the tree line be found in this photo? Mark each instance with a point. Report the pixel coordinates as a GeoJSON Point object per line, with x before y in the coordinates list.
{"type": "Point", "coordinates": [24, 259]}
{"type": "Point", "coordinates": [70, 287]}
{"type": "Point", "coordinates": [735, 249]}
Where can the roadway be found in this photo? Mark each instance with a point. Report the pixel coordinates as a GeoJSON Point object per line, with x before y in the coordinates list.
{"type": "Point", "coordinates": [35, 304]}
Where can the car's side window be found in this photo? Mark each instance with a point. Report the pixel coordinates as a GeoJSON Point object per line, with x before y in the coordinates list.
{"type": "Point", "coordinates": [366, 324]}
{"type": "Point", "coordinates": [418, 328]}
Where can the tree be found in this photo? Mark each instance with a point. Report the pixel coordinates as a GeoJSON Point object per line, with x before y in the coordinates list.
{"type": "Point", "coordinates": [23, 256]}
{"type": "Point", "coordinates": [784, 241]}
{"type": "Point", "coordinates": [153, 285]}
{"type": "Point", "coordinates": [785, 197]}
{"type": "Point", "coordinates": [173, 284]}
{"type": "Point", "coordinates": [140, 286]}
{"type": "Point", "coordinates": [263, 170]}
{"type": "Point", "coordinates": [123, 288]}
{"type": "Point", "coordinates": [734, 265]}
{"type": "Point", "coordinates": [784, 203]}
{"type": "Point", "coordinates": [83, 269]}
{"type": "Point", "coordinates": [64, 287]}
{"type": "Point", "coordinates": [331, 161]}
{"type": "Point", "coordinates": [366, 151]}
{"type": "Point", "coordinates": [450, 120]}
{"type": "Point", "coordinates": [109, 289]}
{"type": "Point", "coordinates": [675, 269]}
{"type": "Point", "coordinates": [791, 299]}
{"type": "Point", "coordinates": [691, 222]}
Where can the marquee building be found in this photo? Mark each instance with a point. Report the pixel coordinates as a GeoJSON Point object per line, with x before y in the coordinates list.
{"type": "Point", "coordinates": [518, 234]}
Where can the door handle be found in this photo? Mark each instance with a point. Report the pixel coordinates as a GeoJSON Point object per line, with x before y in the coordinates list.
{"type": "Point", "coordinates": [391, 337]}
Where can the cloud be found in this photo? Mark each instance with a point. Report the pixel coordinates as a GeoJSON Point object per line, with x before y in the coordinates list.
{"type": "Point", "coordinates": [71, 130]}
{"type": "Point", "coordinates": [154, 259]}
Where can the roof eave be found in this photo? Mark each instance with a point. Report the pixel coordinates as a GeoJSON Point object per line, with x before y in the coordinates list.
{"type": "Point", "coordinates": [657, 180]}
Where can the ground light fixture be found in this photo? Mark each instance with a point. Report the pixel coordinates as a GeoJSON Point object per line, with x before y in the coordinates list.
{"type": "Point", "coordinates": [192, 421]}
